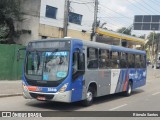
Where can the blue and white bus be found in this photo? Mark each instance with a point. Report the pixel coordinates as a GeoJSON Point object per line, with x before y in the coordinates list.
{"type": "Point", "coordinates": [70, 70]}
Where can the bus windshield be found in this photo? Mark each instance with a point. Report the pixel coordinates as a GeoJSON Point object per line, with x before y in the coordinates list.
{"type": "Point", "coordinates": [47, 66]}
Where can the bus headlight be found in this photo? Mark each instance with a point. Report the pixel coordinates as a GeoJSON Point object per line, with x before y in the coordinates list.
{"type": "Point", "coordinates": [24, 87]}
{"type": "Point", "coordinates": [63, 88]}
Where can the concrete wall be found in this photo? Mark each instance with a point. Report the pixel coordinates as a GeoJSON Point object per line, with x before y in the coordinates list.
{"type": "Point", "coordinates": [50, 31]}
{"type": "Point", "coordinates": [31, 13]}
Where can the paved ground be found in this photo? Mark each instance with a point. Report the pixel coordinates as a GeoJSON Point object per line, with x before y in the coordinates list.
{"type": "Point", "coordinates": [143, 99]}
{"type": "Point", "coordinates": [10, 87]}
{"type": "Point", "coordinates": [14, 87]}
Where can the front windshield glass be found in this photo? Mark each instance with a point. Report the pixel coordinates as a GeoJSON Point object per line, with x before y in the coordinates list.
{"type": "Point", "coordinates": [47, 66]}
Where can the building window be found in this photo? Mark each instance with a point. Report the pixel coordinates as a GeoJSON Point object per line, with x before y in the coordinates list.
{"type": "Point", "coordinates": [75, 18]}
{"type": "Point", "coordinates": [92, 58]}
{"type": "Point", "coordinates": [51, 12]}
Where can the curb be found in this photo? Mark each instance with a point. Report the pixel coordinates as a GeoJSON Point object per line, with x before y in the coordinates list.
{"type": "Point", "coordinates": [10, 95]}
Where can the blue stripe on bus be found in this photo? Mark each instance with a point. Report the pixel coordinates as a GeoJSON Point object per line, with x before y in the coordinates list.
{"type": "Point", "coordinates": [76, 85]}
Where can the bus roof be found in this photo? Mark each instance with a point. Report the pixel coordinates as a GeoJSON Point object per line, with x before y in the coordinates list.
{"type": "Point", "coordinates": [113, 47]}
{"type": "Point", "coordinates": [98, 45]}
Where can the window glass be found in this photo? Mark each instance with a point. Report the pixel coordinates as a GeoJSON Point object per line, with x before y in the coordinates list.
{"type": "Point", "coordinates": [137, 61]}
{"type": "Point", "coordinates": [142, 61]}
{"type": "Point", "coordinates": [104, 59]}
{"type": "Point", "coordinates": [92, 58]}
{"type": "Point", "coordinates": [123, 60]}
{"type": "Point", "coordinates": [114, 60]}
{"type": "Point", "coordinates": [75, 18]}
{"type": "Point", "coordinates": [51, 12]}
{"type": "Point", "coordinates": [131, 60]}
{"type": "Point", "coordinates": [75, 62]}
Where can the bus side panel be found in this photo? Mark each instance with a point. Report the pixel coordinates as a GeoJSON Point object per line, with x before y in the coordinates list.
{"type": "Point", "coordinates": [77, 89]}
{"type": "Point", "coordinates": [123, 80]}
{"type": "Point", "coordinates": [77, 84]}
{"type": "Point", "coordinates": [115, 77]}
{"type": "Point", "coordinates": [104, 81]}
{"type": "Point", "coordinates": [138, 76]}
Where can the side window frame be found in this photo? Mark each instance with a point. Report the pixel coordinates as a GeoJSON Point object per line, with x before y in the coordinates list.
{"type": "Point", "coordinates": [93, 63]}
{"type": "Point", "coordinates": [114, 61]}
{"type": "Point", "coordinates": [104, 59]}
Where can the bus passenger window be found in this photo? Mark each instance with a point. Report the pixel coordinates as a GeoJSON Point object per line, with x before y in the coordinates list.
{"type": "Point", "coordinates": [92, 58]}
{"type": "Point", "coordinates": [123, 60]}
{"type": "Point", "coordinates": [114, 58]}
{"type": "Point", "coordinates": [104, 59]}
{"type": "Point", "coordinates": [137, 61]}
{"type": "Point", "coordinates": [131, 61]}
{"type": "Point", "coordinates": [142, 61]}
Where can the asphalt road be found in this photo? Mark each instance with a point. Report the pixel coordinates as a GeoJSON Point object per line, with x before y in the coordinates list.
{"type": "Point", "coordinates": [146, 98]}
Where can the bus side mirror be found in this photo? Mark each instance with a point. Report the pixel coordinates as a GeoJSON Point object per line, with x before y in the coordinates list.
{"type": "Point", "coordinates": [19, 55]}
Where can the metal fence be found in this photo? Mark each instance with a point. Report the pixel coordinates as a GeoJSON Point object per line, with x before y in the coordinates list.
{"type": "Point", "coordinates": [10, 68]}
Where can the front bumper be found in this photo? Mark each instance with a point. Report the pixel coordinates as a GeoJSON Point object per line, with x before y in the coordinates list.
{"type": "Point", "coordinates": [59, 97]}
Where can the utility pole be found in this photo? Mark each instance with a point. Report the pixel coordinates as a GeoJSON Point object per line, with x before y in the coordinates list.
{"type": "Point", "coordinates": [93, 35]}
{"type": "Point", "coordinates": [66, 17]}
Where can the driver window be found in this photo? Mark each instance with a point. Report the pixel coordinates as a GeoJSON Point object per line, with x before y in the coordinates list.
{"type": "Point", "coordinates": [75, 63]}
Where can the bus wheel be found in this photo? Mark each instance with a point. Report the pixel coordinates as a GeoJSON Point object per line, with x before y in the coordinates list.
{"type": "Point", "coordinates": [89, 97]}
{"type": "Point", "coordinates": [128, 92]}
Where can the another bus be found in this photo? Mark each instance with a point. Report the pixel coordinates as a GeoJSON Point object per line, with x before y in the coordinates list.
{"type": "Point", "coordinates": [70, 70]}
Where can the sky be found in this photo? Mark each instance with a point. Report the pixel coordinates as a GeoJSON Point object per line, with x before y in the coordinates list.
{"type": "Point", "coordinates": [120, 13]}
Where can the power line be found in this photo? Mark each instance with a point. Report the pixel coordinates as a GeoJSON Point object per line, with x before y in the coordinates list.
{"type": "Point", "coordinates": [150, 6]}
{"type": "Point", "coordinates": [138, 7]}
{"type": "Point", "coordinates": [144, 6]}
{"type": "Point", "coordinates": [89, 8]}
{"type": "Point", "coordinates": [114, 11]}
{"type": "Point", "coordinates": [82, 2]}
{"type": "Point", "coordinates": [113, 18]}
{"type": "Point", "coordinates": [156, 1]}
{"type": "Point", "coordinates": [111, 23]}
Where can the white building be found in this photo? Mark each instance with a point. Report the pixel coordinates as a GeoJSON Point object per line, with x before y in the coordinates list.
{"type": "Point", "coordinates": [44, 19]}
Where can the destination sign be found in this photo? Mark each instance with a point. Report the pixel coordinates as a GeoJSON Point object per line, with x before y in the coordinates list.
{"type": "Point", "coordinates": [49, 44]}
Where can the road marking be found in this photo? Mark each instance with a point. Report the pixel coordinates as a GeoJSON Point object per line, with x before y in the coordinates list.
{"type": "Point", "coordinates": [117, 107]}
{"type": "Point", "coordinates": [156, 93]}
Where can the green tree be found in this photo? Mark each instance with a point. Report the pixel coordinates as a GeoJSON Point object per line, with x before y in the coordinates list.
{"type": "Point", "coordinates": [124, 30]}
{"type": "Point", "coordinates": [9, 14]}
{"type": "Point", "coordinates": [152, 44]}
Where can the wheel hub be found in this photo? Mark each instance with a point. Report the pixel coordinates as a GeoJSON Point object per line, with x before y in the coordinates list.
{"type": "Point", "coordinates": [89, 96]}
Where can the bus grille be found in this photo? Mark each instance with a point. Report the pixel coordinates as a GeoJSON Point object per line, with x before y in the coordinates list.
{"type": "Point", "coordinates": [35, 95]}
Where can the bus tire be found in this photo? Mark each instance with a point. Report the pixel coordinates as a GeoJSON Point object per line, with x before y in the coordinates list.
{"type": "Point", "coordinates": [89, 97]}
{"type": "Point", "coordinates": [128, 92]}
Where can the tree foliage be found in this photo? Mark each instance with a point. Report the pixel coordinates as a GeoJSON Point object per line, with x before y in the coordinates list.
{"type": "Point", "coordinates": [9, 13]}
{"type": "Point", "coordinates": [124, 30]}
{"type": "Point", "coordinates": [153, 37]}
{"type": "Point", "coordinates": [152, 44]}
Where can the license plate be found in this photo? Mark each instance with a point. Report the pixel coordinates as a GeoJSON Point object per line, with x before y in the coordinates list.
{"type": "Point", "coordinates": [41, 98]}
